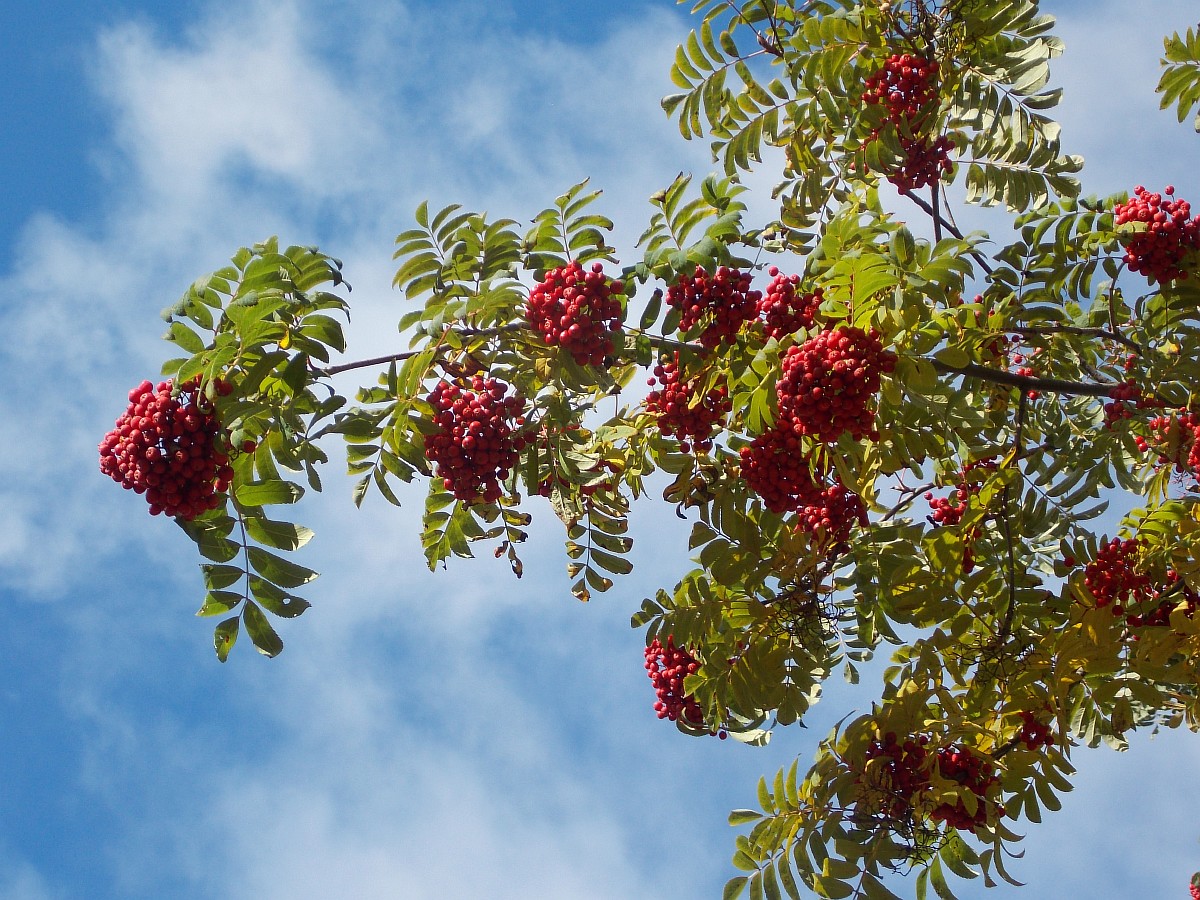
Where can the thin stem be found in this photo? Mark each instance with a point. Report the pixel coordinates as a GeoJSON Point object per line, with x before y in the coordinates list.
{"type": "Point", "coordinates": [1026, 382]}
{"type": "Point", "coordinates": [400, 357]}
{"type": "Point", "coordinates": [938, 219]}
{"type": "Point", "coordinates": [935, 193]}
{"type": "Point", "coordinates": [1025, 331]}
{"type": "Point", "coordinates": [366, 363]}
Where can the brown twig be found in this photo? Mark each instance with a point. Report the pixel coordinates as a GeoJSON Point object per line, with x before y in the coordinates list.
{"type": "Point", "coordinates": [1026, 382]}
{"type": "Point", "coordinates": [938, 219]}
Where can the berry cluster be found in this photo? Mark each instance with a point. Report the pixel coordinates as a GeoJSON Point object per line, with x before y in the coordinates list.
{"type": "Point", "coordinates": [1174, 439]}
{"type": "Point", "coordinates": [784, 308]}
{"type": "Point", "coordinates": [166, 445]}
{"type": "Point", "coordinates": [827, 383]}
{"type": "Point", "coordinates": [906, 89]}
{"type": "Point", "coordinates": [667, 667]}
{"type": "Point", "coordinates": [775, 467]}
{"type": "Point", "coordinates": [1170, 236]}
{"type": "Point", "coordinates": [975, 773]}
{"type": "Point", "coordinates": [949, 510]}
{"type": "Point", "coordinates": [899, 776]}
{"type": "Point", "coordinates": [904, 774]}
{"type": "Point", "coordinates": [1194, 887]}
{"type": "Point", "coordinates": [1115, 582]}
{"type": "Point", "coordinates": [677, 417]}
{"type": "Point", "coordinates": [721, 303]}
{"type": "Point", "coordinates": [578, 311]}
{"type": "Point", "coordinates": [1034, 733]}
{"type": "Point", "coordinates": [830, 516]}
{"type": "Point", "coordinates": [1112, 576]}
{"type": "Point", "coordinates": [477, 437]}
{"type": "Point", "coordinates": [1126, 397]}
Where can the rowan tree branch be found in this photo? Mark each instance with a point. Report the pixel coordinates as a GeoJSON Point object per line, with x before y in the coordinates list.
{"type": "Point", "coordinates": [1027, 382]}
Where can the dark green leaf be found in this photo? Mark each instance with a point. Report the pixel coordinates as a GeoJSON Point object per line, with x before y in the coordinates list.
{"type": "Point", "coordinates": [217, 577]}
{"type": "Point", "coordinates": [279, 535]}
{"type": "Point", "coordinates": [278, 570]}
{"type": "Point", "coordinates": [266, 641]}
{"type": "Point", "coordinates": [276, 601]}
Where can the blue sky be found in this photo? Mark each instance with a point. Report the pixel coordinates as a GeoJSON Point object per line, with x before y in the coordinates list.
{"type": "Point", "coordinates": [453, 736]}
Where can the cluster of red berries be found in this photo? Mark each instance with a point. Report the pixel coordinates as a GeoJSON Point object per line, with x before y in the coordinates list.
{"type": "Point", "coordinates": [1115, 581]}
{"type": "Point", "coordinates": [904, 774]}
{"type": "Point", "coordinates": [1175, 439]}
{"type": "Point", "coordinates": [1126, 397]}
{"type": "Point", "coordinates": [785, 308]}
{"type": "Point", "coordinates": [677, 416]}
{"type": "Point", "coordinates": [578, 311]}
{"type": "Point", "coordinates": [949, 510]}
{"type": "Point", "coordinates": [166, 445]}
{"type": "Point", "coordinates": [830, 516]}
{"type": "Point", "coordinates": [901, 775]}
{"type": "Point", "coordinates": [906, 88]}
{"type": "Point", "coordinates": [1170, 236]}
{"type": "Point", "coordinates": [975, 773]}
{"type": "Point", "coordinates": [721, 303]}
{"type": "Point", "coordinates": [827, 383]}
{"type": "Point", "coordinates": [775, 467]}
{"type": "Point", "coordinates": [1113, 578]}
{"type": "Point", "coordinates": [1194, 887]}
{"type": "Point", "coordinates": [667, 667]}
{"type": "Point", "coordinates": [477, 437]}
{"type": "Point", "coordinates": [1034, 733]}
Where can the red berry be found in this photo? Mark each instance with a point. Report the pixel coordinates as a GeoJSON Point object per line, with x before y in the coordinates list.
{"type": "Point", "coordinates": [165, 446]}
{"type": "Point", "coordinates": [775, 467]}
{"type": "Point", "coordinates": [478, 435]}
{"type": "Point", "coordinates": [720, 303]}
{"type": "Point", "coordinates": [906, 89]}
{"type": "Point", "coordinates": [578, 311]}
{"type": "Point", "coordinates": [785, 308]}
{"type": "Point", "coordinates": [1117, 581]}
{"type": "Point", "coordinates": [673, 403]}
{"type": "Point", "coordinates": [828, 383]}
{"type": "Point", "coordinates": [667, 667]}
{"type": "Point", "coordinates": [1162, 249]}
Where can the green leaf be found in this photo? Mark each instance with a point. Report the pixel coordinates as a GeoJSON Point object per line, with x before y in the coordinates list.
{"type": "Point", "coordinates": [742, 816]}
{"type": "Point", "coordinates": [276, 601]}
{"type": "Point", "coordinates": [278, 570]}
{"type": "Point", "coordinates": [279, 535]}
{"type": "Point", "coordinates": [325, 329]}
{"type": "Point", "coordinates": [938, 880]}
{"type": "Point", "coordinates": [266, 493]}
{"type": "Point", "coordinates": [225, 636]}
{"type": "Point", "coordinates": [831, 887]}
{"type": "Point", "coordinates": [953, 356]}
{"type": "Point", "coordinates": [185, 338]}
{"type": "Point", "coordinates": [210, 534]}
{"type": "Point", "coordinates": [266, 641]}
{"type": "Point", "coordinates": [734, 888]}
{"type": "Point", "coordinates": [875, 889]}
{"type": "Point", "coordinates": [217, 577]}
{"type": "Point", "coordinates": [217, 603]}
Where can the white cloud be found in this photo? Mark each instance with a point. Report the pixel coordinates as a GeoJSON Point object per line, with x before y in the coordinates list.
{"type": "Point", "coordinates": [240, 92]}
{"type": "Point", "coordinates": [21, 881]}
